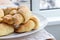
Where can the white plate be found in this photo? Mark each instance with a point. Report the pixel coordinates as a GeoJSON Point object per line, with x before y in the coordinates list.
{"type": "Point", "coordinates": [43, 23]}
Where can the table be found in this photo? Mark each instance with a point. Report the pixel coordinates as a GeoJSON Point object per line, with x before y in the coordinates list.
{"type": "Point", "coordinates": [40, 35]}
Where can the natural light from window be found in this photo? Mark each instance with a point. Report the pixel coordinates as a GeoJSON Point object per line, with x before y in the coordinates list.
{"type": "Point", "coordinates": [49, 4]}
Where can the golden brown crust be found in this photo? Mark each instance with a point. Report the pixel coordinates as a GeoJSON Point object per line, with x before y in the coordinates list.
{"type": "Point", "coordinates": [8, 19]}
{"type": "Point", "coordinates": [36, 20]}
{"type": "Point", "coordinates": [8, 10]}
{"type": "Point", "coordinates": [33, 23]}
{"type": "Point", "coordinates": [18, 19]}
{"type": "Point", "coordinates": [25, 12]}
{"type": "Point", "coordinates": [12, 12]}
{"type": "Point", "coordinates": [1, 19]}
{"type": "Point", "coordinates": [26, 27]}
{"type": "Point", "coordinates": [21, 17]}
{"type": "Point", "coordinates": [5, 29]}
{"type": "Point", "coordinates": [1, 13]}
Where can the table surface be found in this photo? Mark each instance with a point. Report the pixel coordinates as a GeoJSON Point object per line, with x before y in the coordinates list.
{"type": "Point", "coordinates": [40, 35]}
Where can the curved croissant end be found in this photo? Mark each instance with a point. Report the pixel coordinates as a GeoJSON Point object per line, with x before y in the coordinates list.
{"type": "Point", "coordinates": [26, 27]}
{"type": "Point", "coordinates": [33, 23]}
{"type": "Point", "coordinates": [36, 20]}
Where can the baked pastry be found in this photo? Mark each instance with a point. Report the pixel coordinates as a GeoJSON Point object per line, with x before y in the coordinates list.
{"type": "Point", "coordinates": [1, 13]}
{"type": "Point", "coordinates": [33, 23]}
{"type": "Point", "coordinates": [5, 29]}
{"type": "Point", "coordinates": [25, 12]}
{"type": "Point", "coordinates": [8, 10]}
{"type": "Point", "coordinates": [8, 19]}
{"type": "Point", "coordinates": [26, 27]}
{"type": "Point", "coordinates": [36, 20]}
{"type": "Point", "coordinates": [1, 19]}
{"type": "Point", "coordinates": [18, 19]}
{"type": "Point", "coordinates": [21, 18]}
{"type": "Point", "coordinates": [12, 12]}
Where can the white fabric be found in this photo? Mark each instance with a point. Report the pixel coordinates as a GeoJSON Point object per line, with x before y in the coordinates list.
{"type": "Point", "coordinates": [41, 35]}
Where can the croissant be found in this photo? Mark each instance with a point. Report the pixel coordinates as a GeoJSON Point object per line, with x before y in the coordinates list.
{"type": "Point", "coordinates": [8, 10]}
{"type": "Point", "coordinates": [12, 12]}
{"type": "Point", "coordinates": [26, 27]}
{"type": "Point", "coordinates": [8, 19]}
{"type": "Point", "coordinates": [23, 15]}
{"type": "Point", "coordinates": [5, 29]}
{"type": "Point", "coordinates": [18, 19]}
{"type": "Point", "coordinates": [25, 12]}
{"type": "Point", "coordinates": [36, 20]}
{"type": "Point", "coordinates": [21, 18]}
{"type": "Point", "coordinates": [33, 23]}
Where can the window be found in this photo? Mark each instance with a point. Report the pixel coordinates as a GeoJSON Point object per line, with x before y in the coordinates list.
{"type": "Point", "coordinates": [49, 4]}
{"type": "Point", "coordinates": [23, 2]}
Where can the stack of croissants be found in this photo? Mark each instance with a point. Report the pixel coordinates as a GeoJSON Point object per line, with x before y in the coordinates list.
{"type": "Point", "coordinates": [17, 20]}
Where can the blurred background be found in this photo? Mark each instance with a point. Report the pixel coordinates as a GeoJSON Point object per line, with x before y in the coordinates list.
{"type": "Point", "coordinates": [48, 8]}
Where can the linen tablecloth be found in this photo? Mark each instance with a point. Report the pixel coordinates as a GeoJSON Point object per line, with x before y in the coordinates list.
{"type": "Point", "coordinates": [40, 35]}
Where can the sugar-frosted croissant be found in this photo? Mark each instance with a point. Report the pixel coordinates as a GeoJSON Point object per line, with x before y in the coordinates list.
{"type": "Point", "coordinates": [5, 29]}
{"type": "Point", "coordinates": [33, 23]}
